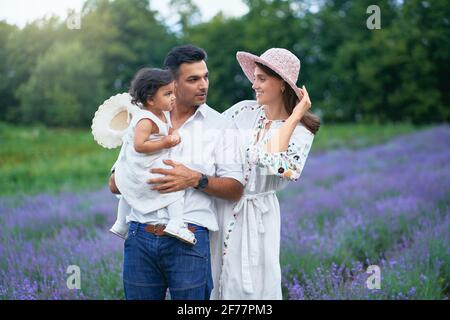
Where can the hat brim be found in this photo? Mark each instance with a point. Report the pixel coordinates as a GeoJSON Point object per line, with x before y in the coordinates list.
{"type": "Point", "coordinates": [112, 119]}
{"type": "Point", "coordinates": [247, 61]}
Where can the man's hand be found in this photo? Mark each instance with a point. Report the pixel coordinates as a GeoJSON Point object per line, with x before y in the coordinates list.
{"type": "Point", "coordinates": [176, 179]}
{"type": "Point", "coordinates": [181, 177]}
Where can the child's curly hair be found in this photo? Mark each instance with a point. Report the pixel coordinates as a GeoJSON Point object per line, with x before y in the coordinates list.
{"type": "Point", "coordinates": [146, 82]}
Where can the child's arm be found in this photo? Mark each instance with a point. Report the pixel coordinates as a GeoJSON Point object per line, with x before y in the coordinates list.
{"type": "Point", "coordinates": [143, 145]}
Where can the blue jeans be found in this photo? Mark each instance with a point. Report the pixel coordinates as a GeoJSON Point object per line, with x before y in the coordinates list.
{"type": "Point", "coordinates": [153, 264]}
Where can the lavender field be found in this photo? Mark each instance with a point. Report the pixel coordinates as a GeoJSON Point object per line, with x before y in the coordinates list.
{"type": "Point", "coordinates": [386, 205]}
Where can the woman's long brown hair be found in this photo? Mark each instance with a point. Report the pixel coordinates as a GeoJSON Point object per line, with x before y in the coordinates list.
{"type": "Point", "coordinates": [290, 100]}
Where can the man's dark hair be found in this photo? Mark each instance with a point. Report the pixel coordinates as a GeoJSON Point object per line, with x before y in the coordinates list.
{"type": "Point", "coordinates": [183, 54]}
{"type": "Point", "coordinates": [146, 83]}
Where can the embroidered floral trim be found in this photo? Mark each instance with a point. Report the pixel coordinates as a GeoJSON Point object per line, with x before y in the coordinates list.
{"type": "Point", "coordinates": [286, 164]}
{"type": "Point", "coordinates": [230, 228]}
{"type": "Point", "coordinates": [245, 107]}
{"type": "Point", "coordinates": [226, 241]}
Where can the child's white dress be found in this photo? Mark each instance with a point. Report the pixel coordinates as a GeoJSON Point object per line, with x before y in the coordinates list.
{"type": "Point", "coordinates": [133, 169]}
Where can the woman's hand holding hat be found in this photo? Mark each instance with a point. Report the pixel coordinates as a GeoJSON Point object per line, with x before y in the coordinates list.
{"type": "Point", "coordinates": [303, 106]}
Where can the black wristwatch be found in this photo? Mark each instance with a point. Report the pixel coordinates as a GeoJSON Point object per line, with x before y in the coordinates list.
{"type": "Point", "coordinates": [203, 183]}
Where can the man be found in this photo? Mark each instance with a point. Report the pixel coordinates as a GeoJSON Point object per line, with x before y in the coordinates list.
{"type": "Point", "coordinates": [211, 168]}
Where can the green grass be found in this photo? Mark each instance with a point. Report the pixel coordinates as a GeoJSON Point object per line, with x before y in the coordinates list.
{"type": "Point", "coordinates": [38, 159]}
{"type": "Point", "coordinates": [355, 136]}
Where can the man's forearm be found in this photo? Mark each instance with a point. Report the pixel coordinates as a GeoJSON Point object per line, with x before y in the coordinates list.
{"type": "Point", "coordinates": [182, 177]}
{"type": "Point", "coordinates": [225, 188]}
{"type": "Point", "coordinates": [222, 187]}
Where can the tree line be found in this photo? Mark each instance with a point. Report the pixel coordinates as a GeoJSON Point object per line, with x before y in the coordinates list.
{"type": "Point", "coordinates": [57, 76]}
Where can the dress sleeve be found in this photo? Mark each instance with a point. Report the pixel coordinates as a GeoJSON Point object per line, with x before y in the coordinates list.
{"type": "Point", "coordinates": [288, 164]}
{"type": "Point", "coordinates": [228, 156]}
{"type": "Point", "coordinates": [236, 111]}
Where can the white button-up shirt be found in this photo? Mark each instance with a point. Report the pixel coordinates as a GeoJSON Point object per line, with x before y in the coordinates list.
{"type": "Point", "coordinates": [209, 144]}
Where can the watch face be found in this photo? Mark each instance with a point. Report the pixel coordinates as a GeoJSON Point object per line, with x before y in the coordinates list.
{"type": "Point", "coordinates": [203, 182]}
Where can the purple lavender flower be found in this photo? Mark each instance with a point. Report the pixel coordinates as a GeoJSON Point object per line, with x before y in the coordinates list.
{"type": "Point", "coordinates": [388, 204]}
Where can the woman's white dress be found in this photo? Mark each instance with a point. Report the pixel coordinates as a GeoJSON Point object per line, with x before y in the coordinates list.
{"type": "Point", "coordinates": [132, 169]}
{"type": "Point", "coordinates": [246, 249]}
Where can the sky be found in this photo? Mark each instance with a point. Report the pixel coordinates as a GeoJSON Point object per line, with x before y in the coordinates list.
{"type": "Point", "coordinates": [19, 12]}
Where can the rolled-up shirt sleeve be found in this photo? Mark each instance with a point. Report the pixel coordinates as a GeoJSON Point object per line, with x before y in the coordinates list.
{"type": "Point", "coordinates": [288, 164]}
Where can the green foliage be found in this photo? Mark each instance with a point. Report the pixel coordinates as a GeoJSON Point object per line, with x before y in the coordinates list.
{"type": "Point", "coordinates": [23, 49]}
{"type": "Point", "coordinates": [352, 73]}
{"type": "Point", "coordinates": [227, 82]}
{"type": "Point", "coordinates": [355, 136]}
{"type": "Point", "coordinates": [397, 73]}
{"type": "Point", "coordinates": [34, 159]}
{"type": "Point", "coordinates": [6, 73]}
{"type": "Point", "coordinates": [58, 76]}
{"type": "Point", "coordinates": [140, 40]}
{"type": "Point", "coordinates": [63, 88]}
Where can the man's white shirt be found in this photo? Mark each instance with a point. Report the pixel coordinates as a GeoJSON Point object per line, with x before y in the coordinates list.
{"type": "Point", "coordinates": [209, 144]}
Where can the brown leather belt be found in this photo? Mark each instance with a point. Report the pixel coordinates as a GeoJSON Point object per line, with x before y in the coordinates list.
{"type": "Point", "coordinates": [159, 228]}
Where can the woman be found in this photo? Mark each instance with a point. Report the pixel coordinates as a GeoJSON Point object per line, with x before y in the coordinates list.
{"type": "Point", "coordinates": [277, 131]}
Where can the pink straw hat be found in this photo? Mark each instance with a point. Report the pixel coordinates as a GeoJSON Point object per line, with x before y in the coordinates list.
{"type": "Point", "coordinates": [282, 61]}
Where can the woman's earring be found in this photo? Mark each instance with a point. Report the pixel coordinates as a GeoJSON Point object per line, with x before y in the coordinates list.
{"type": "Point", "coordinates": [282, 89]}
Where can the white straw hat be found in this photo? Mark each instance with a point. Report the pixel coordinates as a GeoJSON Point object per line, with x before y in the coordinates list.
{"type": "Point", "coordinates": [112, 119]}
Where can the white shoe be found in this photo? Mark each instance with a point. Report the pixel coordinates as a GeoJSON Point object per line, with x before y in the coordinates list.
{"type": "Point", "coordinates": [180, 232]}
